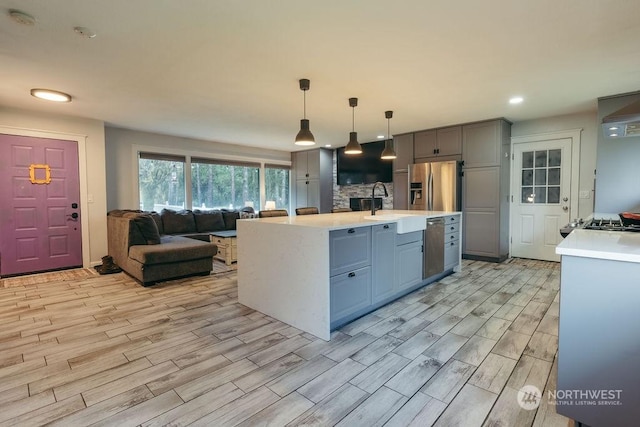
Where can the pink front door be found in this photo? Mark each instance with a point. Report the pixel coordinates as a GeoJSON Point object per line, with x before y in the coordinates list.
{"type": "Point", "coordinates": [39, 205]}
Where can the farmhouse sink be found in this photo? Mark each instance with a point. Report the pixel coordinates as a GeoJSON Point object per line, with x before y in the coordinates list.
{"type": "Point", "coordinates": [406, 223]}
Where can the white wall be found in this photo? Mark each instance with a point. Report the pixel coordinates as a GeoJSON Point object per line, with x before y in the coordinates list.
{"type": "Point", "coordinates": [121, 158]}
{"type": "Point", "coordinates": [589, 138]}
{"type": "Point", "coordinates": [95, 214]}
{"type": "Point", "coordinates": [618, 177]}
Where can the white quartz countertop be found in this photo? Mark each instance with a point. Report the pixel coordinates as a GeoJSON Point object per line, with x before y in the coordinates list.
{"type": "Point", "coordinates": [337, 221]}
{"type": "Point", "coordinates": [611, 245]}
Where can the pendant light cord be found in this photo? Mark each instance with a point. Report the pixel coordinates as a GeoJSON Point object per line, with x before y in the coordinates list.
{"type": "Point", "coordinates": [304, 104]}
{"type": "Point", "coordinates": [353, 119]}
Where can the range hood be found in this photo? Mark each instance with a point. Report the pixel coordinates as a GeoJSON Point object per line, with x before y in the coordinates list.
{"type": "Point", "coordinates": [623, 123]}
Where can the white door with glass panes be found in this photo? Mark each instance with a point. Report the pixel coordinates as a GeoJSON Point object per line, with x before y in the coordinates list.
{"type": "Point", "coordinates": [541, 198]}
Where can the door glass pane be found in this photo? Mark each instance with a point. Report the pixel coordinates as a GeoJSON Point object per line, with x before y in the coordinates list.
{"type": "Point", "coordinates": [541, 176]}
{"type": "Point", "coordinates": [527, 195]}
{"type": "Point", "coordinates": [553, 195]}
{"type": "Point", "coordinates": [554, 157]}
{"type": "Point", "coordinates": [527, 177]}
{"type": "Point", "coordinates": [554, 176]}
{"type": "Point", "coordinates": [540, 195]}
{"type": "Point", "coordinates": [541, 159]}
{"type": "Point", "coordinates": [527, 159]}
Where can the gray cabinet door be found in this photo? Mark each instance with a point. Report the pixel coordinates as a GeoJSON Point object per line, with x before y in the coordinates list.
{"type": "Point", "coordinates": [481, 204]}
{"type": "Point", "coordinates": [349, 249]}
{"type": "Point", "coordinates": [401, 190]}
{"type": "Point", "coordinates": [301, 193]}
{"type": "Point", "coordinates": [313, 193]}
{"type": "Point", "coordinates": [403, 145]}
{"type": "Point", "coordinates": [408, 265]}
{"type": "Point", "coordinates": [349, 292]}
{"type": "Point", "coordinates": [300, 165]}
{"type": "Point", "coordinates": [383, 261]}
{"type": "Point", "coordinates": [482, 144]}
{"type": "Point", "coordinates": [449, 141]}
{"type": "Point", "coordinates": [451, 254]}
{"type": "Point", "coordinates": [425, 144]}
{"type": "Point", "coordinates": [313, 164]}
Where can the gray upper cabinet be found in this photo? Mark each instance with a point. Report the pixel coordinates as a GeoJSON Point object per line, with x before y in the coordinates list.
{"type": "Point", "coordinates": [444, 142]}
{"type": "Point", "coordinates": [403, 146]}
{"type": "Point", "coordinates": [481, 144]}
{"type": "Point", "coordinates": [313, 171]}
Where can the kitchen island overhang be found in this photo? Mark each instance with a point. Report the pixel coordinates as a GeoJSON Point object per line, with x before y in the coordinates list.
{"type": "Point", "coordinates": [284, 267]}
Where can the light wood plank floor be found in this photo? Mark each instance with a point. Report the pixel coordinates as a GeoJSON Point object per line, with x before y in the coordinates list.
{"type": "Point", "coordinates": [81, 349]}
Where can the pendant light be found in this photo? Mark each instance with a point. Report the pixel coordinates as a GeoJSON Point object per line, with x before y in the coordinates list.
{"type": "Point", "coordinates": [388, 153]}
{"type": "Point", "coordinates": [353, 147]}
{"type": "Point", "coordinates": [305, 137]}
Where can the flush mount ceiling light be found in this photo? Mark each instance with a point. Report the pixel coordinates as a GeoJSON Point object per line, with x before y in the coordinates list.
{"type": "Point", "coordinates": [21, 17]}
{"type": "Point", "coordinates": [51, 95]}
{"type": "Point", "coordinates": [516, 100]}
{"type": "Point", "coordinates": [85, 32]}
{"type": "Point", "coordinates": [388, 153]}
{"type": "Point", "coordinates": [304, 137]}
{"type": "Point", "coordinates": [353, 147]}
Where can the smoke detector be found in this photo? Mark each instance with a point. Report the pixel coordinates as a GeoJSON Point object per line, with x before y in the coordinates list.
{"type": "Point", "coordinates": [21, 17]}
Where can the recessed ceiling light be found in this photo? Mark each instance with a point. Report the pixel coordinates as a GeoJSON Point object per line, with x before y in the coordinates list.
{"type": "Point", "coordinates": [380, 136]}
{"type": "Point", "coordinates": [613, 128]}
{"type": "Point", "coordinates": [516, 100]}
{"type": "Point", "coordinates": [51, 95]}
{"type": "Point", "coordinates": [21, 17]}
{"type": "Point", "coordinates": [327, 145]}
{"type": "Point", "coordinates": [613, 134]}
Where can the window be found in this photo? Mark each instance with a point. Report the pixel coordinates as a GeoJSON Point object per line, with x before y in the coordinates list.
{"type": "Point", "coordinates": [161, 181]}
{"type": "Point", "coordinates": [541, 176]}
{"type": "Point", "coordinates": [276, 179]}
{"type": "Point", "coordinates": [219, 184]}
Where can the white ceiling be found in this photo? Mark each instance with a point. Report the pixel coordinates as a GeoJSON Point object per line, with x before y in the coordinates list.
{"type": "Point", "coordinates": [228, 71]}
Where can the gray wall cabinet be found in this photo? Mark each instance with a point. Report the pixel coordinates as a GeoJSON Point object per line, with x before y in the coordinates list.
{"type": "Point", "coordinates": [485, 190]}
{"type": "Point", "coordinates": [435, 144]}
{"type": "Point", "coordinates": [313, 172]}
{"type": "Point", "coordinates": [401, 190]}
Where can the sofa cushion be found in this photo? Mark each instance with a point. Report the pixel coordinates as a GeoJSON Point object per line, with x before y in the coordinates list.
{"type": "Point", "coordinates": [230, 218]}
{"type": "Point", "coordinates": [172, 249]}
{"type": "Point", "coordinates": [176, 222]}
{"type": "Point", "coordinates": [156, 217]}
{"type": "Point", "coordinates": [208, 220]}
{"type": "Point", "coordinates": [146, 226]}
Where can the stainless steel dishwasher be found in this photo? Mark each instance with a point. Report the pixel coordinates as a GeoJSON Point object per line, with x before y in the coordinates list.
{"type": "Point", "coordinates": [433, 253]}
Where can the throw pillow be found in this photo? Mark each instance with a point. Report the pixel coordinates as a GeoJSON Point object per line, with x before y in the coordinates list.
{"type": "Point", "coordinates": [148, 228]}
{"type": "Point", "coordinates": [177, 222]}
{"type": "Point", "coordinates": [156, 217]}
{"type": "Point", "coordinates": [208, 220]}
{"type": "Point", "coordinates": [230, 218]}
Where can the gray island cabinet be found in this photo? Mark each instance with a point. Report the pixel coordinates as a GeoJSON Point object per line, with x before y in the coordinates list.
{"type": "Point", "coordinates": [318, 272]}
{"type": "Point", "coordinates": [598, 337]}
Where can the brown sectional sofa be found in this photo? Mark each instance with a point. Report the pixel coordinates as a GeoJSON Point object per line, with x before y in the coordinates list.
{"type": "Point", "coordinates": [153, 247]}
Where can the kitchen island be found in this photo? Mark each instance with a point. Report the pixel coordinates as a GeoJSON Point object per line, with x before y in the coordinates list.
{"type": "Point", "coordinates": [599, 334]}
{"type": "Point", "coordinates": [316, 272]}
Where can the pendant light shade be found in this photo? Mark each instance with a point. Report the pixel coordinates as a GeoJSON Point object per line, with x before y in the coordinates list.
{"type": "Point", "coordinates": [304, 137]}
{"type": "Point", "coordinates": [388, 153]}
{"type": "Point", "coordinates": [353, 147]}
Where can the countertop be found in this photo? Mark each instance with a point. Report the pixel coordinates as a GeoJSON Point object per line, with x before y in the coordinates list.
{"type": "Point", "coordinates": [611, 245]}
{"type": "Point", "coordinates": [337, 221]}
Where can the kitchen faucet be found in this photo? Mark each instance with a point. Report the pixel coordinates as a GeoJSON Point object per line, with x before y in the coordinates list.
{"type": "Point", "coordinates": [373, 193]}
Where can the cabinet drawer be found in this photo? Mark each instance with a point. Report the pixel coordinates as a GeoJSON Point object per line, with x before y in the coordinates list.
{"type": "Point", "coordinates": [451, 237]}
{"type": "Point", "coordinates": [451, 254]}
{"type": "Point", "coordinates": [452, 219]}
{"type": "Point", "coordinates": [350, 292]}
{"type": "Point", "coordinates": [452, 227]}
{"type": "Point", "coordinates": [350, 249]}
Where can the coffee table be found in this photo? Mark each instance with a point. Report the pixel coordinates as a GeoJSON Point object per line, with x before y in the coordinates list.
{"type": "Point", "coordinates": [227, 245]}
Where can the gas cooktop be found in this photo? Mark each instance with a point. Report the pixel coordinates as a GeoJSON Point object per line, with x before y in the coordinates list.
{"type": "Point", "coordinates": [608, 225]}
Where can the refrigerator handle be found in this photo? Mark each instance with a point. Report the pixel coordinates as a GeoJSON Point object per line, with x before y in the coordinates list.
{"type": "Point", "coordinates": [430, 192]}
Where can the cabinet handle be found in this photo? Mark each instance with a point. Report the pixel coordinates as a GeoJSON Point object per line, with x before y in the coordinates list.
{"type": "Point", "coordinates": [386, 226]}
{"type": "Point", "coordinates": [434, 151]}
{"type": "Point", "coordinates": [352, 274]}
{"type": "Point", "coordinates": [307, 182]}
{"type": "Point", "coordinates": [453, 237]}
{"type": "Point", "coordinates": [306, 175]}
{"type": "Point", "coordinates": [452, 243]}
{"type": "Point", "coordinates": [351, 231]}
{"type": "Point", "coordinates": [453, 228]}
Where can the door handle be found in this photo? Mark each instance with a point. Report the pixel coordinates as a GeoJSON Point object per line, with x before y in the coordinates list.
{"type": "Point", "coordinates": [565, 208]}
{"type": "Point", "coordinates": [73, 217]}
{"type": "Point", "coordinates": [565, 199]}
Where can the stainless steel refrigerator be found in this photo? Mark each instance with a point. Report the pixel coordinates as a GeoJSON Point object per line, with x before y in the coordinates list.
{"type": "Point", "coordinates": [434, 186]}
